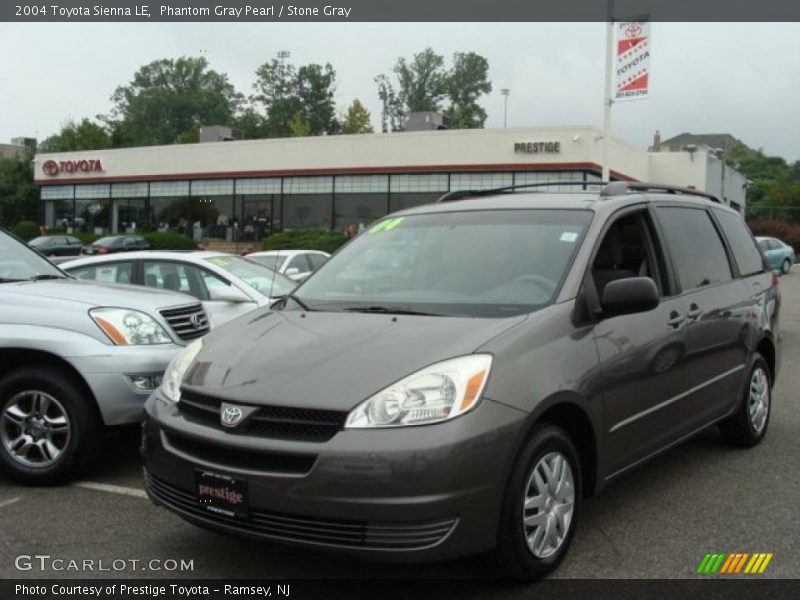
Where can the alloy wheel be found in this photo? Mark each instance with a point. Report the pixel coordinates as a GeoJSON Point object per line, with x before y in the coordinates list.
{"type": "Point", "coordinates": [758, 400]}
{"type": "Point", "coordinates": [34, 428]}
{"type": "Point", "coordinates": [548, 504]}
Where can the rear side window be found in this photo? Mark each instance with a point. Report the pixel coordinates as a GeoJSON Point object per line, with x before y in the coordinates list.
{"type": "Point", "coordinates": [744, 247]}
{"type": "Point", "coordinates": [697, 252]}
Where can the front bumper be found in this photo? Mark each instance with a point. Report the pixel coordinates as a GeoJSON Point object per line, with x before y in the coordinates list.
{"type": "Point", "coordinates": [108, 376]}
{"type": "Point", "coordinates": [406, 494]}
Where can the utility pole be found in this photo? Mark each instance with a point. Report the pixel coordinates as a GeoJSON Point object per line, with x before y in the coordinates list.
{"type": "Point", "coordinates": [607, 93]}
{"type": "Point", "coordinates": [505, 92]}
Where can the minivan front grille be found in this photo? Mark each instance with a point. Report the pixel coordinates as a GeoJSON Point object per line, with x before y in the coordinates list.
{"type": "Point", "coordinates": [188, 322]}
{"type": "Point", "coordinates": [275, 422]}
{"type": "Point", "coordinates": [376, 535]}
{"type": "Point", "coordinates": [240, 459]}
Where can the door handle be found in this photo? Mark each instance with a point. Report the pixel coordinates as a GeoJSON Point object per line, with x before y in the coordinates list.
{"type": "Point", "coordinates": [675, 319]}
{"type": "Point", "coordinates": [694, 312]}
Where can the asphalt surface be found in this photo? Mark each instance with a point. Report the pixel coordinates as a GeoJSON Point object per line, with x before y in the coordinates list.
{"type": "Point", "coordinates": [656, 522]}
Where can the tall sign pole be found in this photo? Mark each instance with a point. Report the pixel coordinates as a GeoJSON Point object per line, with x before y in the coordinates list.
{"type": "Point", "coordinates": [607, 99]}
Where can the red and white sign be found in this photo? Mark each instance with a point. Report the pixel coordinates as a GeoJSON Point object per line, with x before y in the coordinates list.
{"type": "Point", "coordinates": [53, 168]}
{"type": "Point", "coordinates": [632, 65]}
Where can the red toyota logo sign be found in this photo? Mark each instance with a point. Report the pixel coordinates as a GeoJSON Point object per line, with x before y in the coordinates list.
{"type": "Point", "coordinates": [52, 168]}
{"type": "Point", "coordinates": [634, 30]}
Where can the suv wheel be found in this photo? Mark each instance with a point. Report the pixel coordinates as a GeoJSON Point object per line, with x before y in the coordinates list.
{"type": "Point", "coordinates": [541, 505]}
{"type": "Point", "coordinates": [749, 425]}
{"type": "Point", "coordinates": [786, 266]}
{"type": "Point", "coordinates": [48, 432]}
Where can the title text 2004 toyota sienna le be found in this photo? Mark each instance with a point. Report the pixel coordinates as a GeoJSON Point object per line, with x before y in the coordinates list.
{"type": "Point", "coordinates": [460, 375]}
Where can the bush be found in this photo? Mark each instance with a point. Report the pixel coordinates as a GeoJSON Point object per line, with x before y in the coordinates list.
{"type": "Point", "coordinates": [26, 230]}
{"type": "Point", "coordinates": [87, 238]}
{"type": "Point", "coordinates": [167, 240]}
{"type": "Point", "coordinates": [305, 239]}
{"type": "Point", "coordinates": [783, 230]}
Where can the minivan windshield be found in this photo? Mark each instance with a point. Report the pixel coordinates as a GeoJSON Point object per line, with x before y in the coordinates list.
{"type": "Point", "coordinates": [19, 263]}
{"type": "Point", "coordinates": [474, 263]}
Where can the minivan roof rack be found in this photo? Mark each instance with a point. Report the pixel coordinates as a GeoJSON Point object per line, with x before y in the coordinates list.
{"type": "Point", "coordinates": [620, 188]}
{"type": "Point", "coordinates": [461, 194]}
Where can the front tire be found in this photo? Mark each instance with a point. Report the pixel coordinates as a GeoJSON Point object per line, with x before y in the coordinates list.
{"type": "Point", "coordinates": [48, 430]}
{"type": "Point", "coordinates": [541, 505]}
{"type": "Point", "coordinates": [786, 266]}
{"type": "Point", "coordinates": [748, 426]}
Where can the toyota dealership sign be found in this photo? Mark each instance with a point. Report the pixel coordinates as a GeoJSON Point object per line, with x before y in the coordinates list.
{"type": "Point", "coordinates": [53, 168]}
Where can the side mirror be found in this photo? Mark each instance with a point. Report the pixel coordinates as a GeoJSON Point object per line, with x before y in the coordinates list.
{"type": "Point", "coordinates": [292, 271]}
{"type": "Point", "coordinates": [227, 293]}
{"type": "Point", "coordinates": [629, 295]}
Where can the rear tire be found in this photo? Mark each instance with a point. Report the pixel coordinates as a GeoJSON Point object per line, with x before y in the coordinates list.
{"type": "Point", "coordinates": [541, 505]}
{"type": "Point", "coordinates": [749, 425]}
{"type": "Point", "coordinates": [49, 431]}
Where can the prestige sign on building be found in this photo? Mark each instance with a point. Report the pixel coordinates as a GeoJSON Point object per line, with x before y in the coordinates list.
{"type": "Point", "coordinates": [632, 66]}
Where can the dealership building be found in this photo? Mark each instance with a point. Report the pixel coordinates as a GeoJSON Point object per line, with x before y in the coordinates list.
{"type": "Point", "coordinates": [244, 190]}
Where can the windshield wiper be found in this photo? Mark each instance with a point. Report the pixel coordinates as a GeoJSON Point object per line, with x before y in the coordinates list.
{"type": "Point", "coordinates": [44, 277]}
{"type": "Point", "coordinates": [391, 310]}
{"type": "Point", "coordinates": [302, 304]}
{"type": "Point", "coordinates": [10, 280]}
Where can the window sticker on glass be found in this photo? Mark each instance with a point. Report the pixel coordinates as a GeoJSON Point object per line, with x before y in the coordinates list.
{"type": "Point", "coordinates": [568, 236]}
{"type": "Point", "coordinates": [220, 262]}
{"type": "Point", "coordinates": [106, 274]}
{"type": "Point", "coordinates": [387, 225]}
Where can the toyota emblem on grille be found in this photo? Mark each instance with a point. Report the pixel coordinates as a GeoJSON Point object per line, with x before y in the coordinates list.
{"type": "Point", "coordinates": [231, 416]}
{"type": "Point", "coordinates": [197, 320]}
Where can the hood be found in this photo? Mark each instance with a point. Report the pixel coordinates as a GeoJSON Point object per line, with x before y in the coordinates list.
{"type": "Point", "coordinates": [96, 294]}
{"type": "Point", "coordinates": [328, 360]}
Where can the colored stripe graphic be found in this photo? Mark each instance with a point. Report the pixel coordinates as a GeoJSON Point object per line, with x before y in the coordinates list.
{"type": "Point", "coordinates": [711, 563]}
{"type": "Point", "coordinates": [764, 564]}
{"type": "Point", "coordinates": [734, 563]}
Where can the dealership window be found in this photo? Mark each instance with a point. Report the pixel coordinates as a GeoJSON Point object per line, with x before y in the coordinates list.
{"type": "Point", "coordinates": [129, 200]}
{"type": "Point", "coordinates": [408, 191]}
{"type": "Point", "coordinates": [258, 205]}
{"type": "Point", "coordinates": [212, 209]}
{"type": "Point", "coordinates": [359, 200]}
{"type": "Point", "coordinates": [169, 206]}
{"type": "Point", "coordinates": [93, 209]}
{"type": "Point", "coordinates": [59, 209]}
{"type": "Point", "coordinates": [479, 181]}
{"type": "Point", "coordinates": [531, 177]}
{"type": "Point", "coordinates": [307, 202]}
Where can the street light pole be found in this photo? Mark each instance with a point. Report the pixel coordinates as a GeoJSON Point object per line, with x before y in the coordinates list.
{"type": "Point", "coordinates": [505, 92]}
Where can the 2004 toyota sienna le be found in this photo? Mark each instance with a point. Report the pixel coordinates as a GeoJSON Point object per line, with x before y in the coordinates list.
{"type": "Point", "coordinates": [464, 395]}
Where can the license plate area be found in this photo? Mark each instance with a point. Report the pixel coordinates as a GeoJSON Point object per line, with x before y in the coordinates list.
{"type": "Point", "coordinates": [222, 494]}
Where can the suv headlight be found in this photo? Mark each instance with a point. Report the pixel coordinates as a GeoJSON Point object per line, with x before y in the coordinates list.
{"type": "Point", "coordinates": [436, 393]}
{"type": "Point", "coordinates": [129, 327]}
{"type": "Point", "coordinates": [171, 384]}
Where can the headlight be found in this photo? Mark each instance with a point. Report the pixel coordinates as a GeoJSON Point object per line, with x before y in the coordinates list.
{"type": "Point", "coordinates": [436, 393]}
{"type": "Point", "coordinates": [171, 384]}
{"type": "Point", "coordinates": [129, 327]}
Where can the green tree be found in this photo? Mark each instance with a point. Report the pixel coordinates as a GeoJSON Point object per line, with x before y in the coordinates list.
{"type": "Point", "coordinates": [422, 82]}
{"type": "Point", "coordinates": [467, 81]}
{"type": "Point", "coordinates": [284, 91]}
{"type": "Point", "coordinates": [250, 123]}
{"type": "Point", "coordinates": [18, 196]}
{"type": "Point", "coordinates": [763, 173]}
{"type": "Point", "coordinates": [168, 100]}
{"type": "Point", "coordinates": [86, 135]}
{"type": "Point", "coordinates": [357, 120]}
{"type": "Point", "coordinates": [298, 126]}
{"type": "Point", "coordinates": [392, 113]}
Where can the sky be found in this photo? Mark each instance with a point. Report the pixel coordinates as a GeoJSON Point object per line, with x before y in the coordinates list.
{"type": "Point", "coordinates": [738, 78]}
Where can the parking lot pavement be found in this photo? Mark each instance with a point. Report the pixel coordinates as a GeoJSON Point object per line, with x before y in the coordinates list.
{"type": "Point", "coordinates": [659, 521]}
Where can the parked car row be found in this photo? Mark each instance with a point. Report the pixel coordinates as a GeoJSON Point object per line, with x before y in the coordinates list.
{"type": "Point", "coordinates": [455, 380]}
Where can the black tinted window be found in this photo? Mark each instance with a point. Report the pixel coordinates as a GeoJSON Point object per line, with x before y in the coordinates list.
{"type": "Point", "coordinates": [744, 248]}
{"type": "Point", "coordinates": [694, 244]}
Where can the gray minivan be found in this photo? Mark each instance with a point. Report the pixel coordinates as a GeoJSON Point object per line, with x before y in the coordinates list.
{"type": "Point", "coordinates": [464, 395]}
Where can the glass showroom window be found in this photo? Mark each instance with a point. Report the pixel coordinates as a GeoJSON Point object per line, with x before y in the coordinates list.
{"type": "Point", "coordinates": [359, 200]}
{"type": "Point", "coordinates": [59, 210]}
{"type": "Point", "coordinates": [169, 206]}
{"type": "Point", "coordinates": [408, 191]}
{"type": "Point", "coordinates": [307, 202]}
{"type": "Point", "coordinates": [258, 203]}
{"type": "Point", "coordinates": [129, 200]}
{"type": "Point", "coordinates": [93, 209]}
{"type": "Point", "coordinates": [212, 209]}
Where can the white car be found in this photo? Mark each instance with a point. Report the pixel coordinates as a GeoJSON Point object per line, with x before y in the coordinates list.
{"type": "Point", "coordinates": [227, 285]}
{"type": "Point", "coordinates": [296, 264]}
